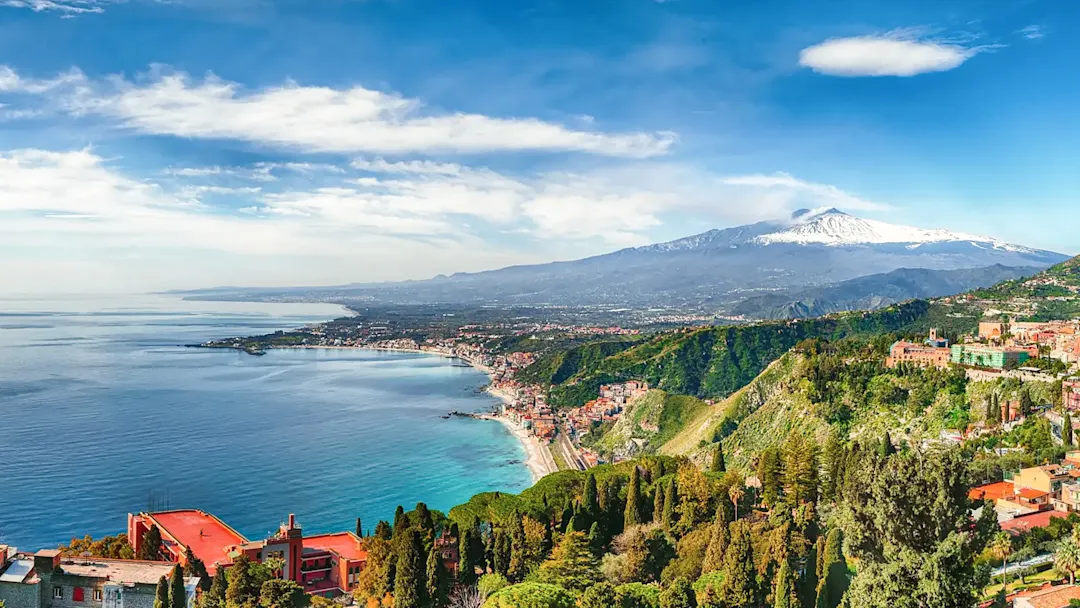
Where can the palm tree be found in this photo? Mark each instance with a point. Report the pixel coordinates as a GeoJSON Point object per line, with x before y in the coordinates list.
{"type": "Point", "coordinates": [1067, 559]}
{"type": "Point", "coordinates": [736, 492]}
{"type": "Point", "coordinates": [1001, 547]}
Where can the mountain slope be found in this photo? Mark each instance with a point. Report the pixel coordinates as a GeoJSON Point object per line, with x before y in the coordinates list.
{"type": "Point", "coordinates": [708, 270]}
{"type": "Point", "coordinates": [713, 361]}
{"type": "Point", "coordinates": [874, 291]}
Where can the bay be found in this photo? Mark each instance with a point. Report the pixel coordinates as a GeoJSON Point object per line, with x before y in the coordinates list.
{"type": "Point", "coordinates": [104, 412]}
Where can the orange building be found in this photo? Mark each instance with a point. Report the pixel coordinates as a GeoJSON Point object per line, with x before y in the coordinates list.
{"type": "Point", "coordinates": [917, 354]}
{"type": "Point", "coordinates": [325, 564]}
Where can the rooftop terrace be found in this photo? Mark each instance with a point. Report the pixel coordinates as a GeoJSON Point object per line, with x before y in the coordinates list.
{"type": "Point", "coordinates": [209, 538]}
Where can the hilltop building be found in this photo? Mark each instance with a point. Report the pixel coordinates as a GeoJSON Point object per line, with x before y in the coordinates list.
{"type": "Point", "coordinates": [1070, 393]}
{"type": "Point", "coordinates": [47, 579]}
{"type": "Point", "coordinates": [325, 564]}
{"type": "Point", "coordinates": [917, 354]}
{"type": "Point", "coordinates": [995, 357]}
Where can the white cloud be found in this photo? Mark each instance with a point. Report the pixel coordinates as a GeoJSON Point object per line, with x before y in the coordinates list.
{"type": "Point", "coordinates": [796, 192]}
{"type": "Point", "coordinates": [1032, 32]}
{"type": "Point", "coordinates": [317, 119]}
{"type": "Point", "coordinates": [68, 7]}
{"type": "Point", "coordinates": [900, 53]}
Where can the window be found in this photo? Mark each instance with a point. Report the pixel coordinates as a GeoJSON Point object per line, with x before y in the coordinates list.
{"type": "Point", "coordinates": [77, 594]}
{"type": "Point", "coordinates": [58, 592]}
{"type": "Point", "coordinates": [97, 595]}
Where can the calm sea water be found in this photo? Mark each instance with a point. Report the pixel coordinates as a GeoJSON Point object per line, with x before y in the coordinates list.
{"type": "Point", "coordinates": [102, 413]}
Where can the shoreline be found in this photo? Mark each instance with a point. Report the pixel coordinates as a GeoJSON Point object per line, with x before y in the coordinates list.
{"type": "Point", "coordinates": [537, 457]}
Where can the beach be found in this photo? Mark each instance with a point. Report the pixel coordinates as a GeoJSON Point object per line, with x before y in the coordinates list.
{"type": "Point", "coordinates": [537, 457]}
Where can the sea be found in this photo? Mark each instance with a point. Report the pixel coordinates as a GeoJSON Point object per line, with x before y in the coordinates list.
{"type": "Point", "coordinates": [105, 412]}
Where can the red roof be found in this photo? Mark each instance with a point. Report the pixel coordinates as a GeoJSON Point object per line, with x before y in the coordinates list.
{"type": "Point", "coordinates": [345, 544]}
{"type": "Point", "coordinates": [1032, 493]}
{"type": "Point", "coordinates": [992, 491]}
{"type": "Point", "coordinates": [209, 538]}
{"type": "Point", "coordinates": [1023, 523]}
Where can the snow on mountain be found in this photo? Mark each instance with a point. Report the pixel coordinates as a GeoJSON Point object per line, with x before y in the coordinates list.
{"type": "Point", "coordinates": [834, 227]}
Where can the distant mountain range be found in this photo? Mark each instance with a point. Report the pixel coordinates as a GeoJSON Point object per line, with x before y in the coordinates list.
{"type": "Point", "coordinates": [717, 270]}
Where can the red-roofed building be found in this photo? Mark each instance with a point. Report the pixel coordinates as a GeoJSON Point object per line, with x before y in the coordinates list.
{"type": "Point", "coordinates": [993, 491]}
{"type": "Point", "coordinates": [1048, 597]}
{"type": "Point", "coordinates": [325, 564]}
{"type": "Point", "coordinates": [1024, 523]}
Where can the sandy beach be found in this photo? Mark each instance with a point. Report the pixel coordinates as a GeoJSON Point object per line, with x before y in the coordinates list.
{"type": "Point", "coordinates": [537, 457]}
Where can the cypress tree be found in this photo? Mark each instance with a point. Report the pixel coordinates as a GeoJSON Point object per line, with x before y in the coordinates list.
{"type": "Point", "coordinates": [1067, 430]}
{"type": "Point", "coordinates": [809, 581]}
{"type": "Point", "coordinates": [161, 598]}
{"type": "Point", "coordinates": [215, 597]}
{"type": "Point", "coordinates": [670, 500]}
{"type": "Point", "coordinates": [590, 500]}
{"type": "Point", "coordinates": [784, 595]}
{"type": "Point", "coordinates": [501, 553]}
{"type": "Point", "coordinates": [242, 591]}
{"type": "Point", "coordinates": [832, 587]}
{"type": "Point", "coordinates": [596, 540]}
{"type": "Point", "coordinates": [718, 544]}
{"type": "Point", "coordinates": [740, 587]}
{"type": "Point", "coordinates": [409, 588]}
{"type": "Point", "coordinates": [718, 465]}
{"type": "Point", "coordinates": [633, 515]}
{"type": "Point", "coordinates": [989, 411]}
{"type": "Point", "coordinates": [564, 522]}
{"type": "Point", "coordinates": [658, 505]}
{"type": "Point", "coordinates": [887, 448]}
{"type": "Point", "coordinates": [150, 549]}
{"type": "Point", "coordinates": [423, 519]}
{"type": "Point", "coordinates": [466, 566]}
{"type": "Point", "coordinates": [436, 580]}
{"type": "Point", "coordinates": [548, 543]}
{"type": "Point", "coordinates": [400, 522]}
{"type": "Point", "coordinates": [177, 593]}
{"type": "Point", "coordinates": [359, 528]}
{"type": "Point", "coordinates": [518, 550]}
{"type": "Point", "coordinates": [612, 508]}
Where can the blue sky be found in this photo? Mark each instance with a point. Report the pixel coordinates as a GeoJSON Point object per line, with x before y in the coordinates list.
{"type": "Point", "coordinates": [150, 145]}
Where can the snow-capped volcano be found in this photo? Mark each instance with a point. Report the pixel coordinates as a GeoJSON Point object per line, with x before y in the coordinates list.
{"type": "Point", "coordinates": [834, 227]}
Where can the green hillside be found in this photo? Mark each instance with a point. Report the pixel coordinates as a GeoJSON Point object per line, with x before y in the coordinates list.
{"type": "Point", "coordinates": [1053, 294]}
{"type": "Point", "coordinates": [710, 362]}
{"type": "Point", "coordinates": [652, 419]}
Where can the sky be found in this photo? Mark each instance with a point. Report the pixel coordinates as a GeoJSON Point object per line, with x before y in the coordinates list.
{"type": "Point", "coordinates": [168, 144]}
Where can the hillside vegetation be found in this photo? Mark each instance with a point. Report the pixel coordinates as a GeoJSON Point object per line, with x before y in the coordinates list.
{"type": "Point", "coordinates": [709, 362]}
{"type": "Point", "coordinates": [648, 422]}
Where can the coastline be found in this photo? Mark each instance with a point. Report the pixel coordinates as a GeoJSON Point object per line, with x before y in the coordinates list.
{"type": "Point", "coordinates": [537, 457]}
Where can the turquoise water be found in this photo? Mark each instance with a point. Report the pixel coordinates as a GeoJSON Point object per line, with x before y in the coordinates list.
{"type": "Point", "coordinates": [102, 413]}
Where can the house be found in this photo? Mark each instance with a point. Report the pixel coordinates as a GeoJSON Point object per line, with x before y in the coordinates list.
{"type": "Point", "coordinates": [47, 579]}
{"type": "Point", "coordinates": [917, 354]}
{"type": "Point", "coordinates": [1024, 523]}
{"type": "Point", "coordinates": [1048, 597]}
{"type": "Point", "coordinates": [1047, 478]}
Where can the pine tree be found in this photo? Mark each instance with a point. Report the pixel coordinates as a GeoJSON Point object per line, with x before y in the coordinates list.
{"type": "Point", "coordinates": [215, 597]}
{"type": "Point", "coordinates": [382, 530]}
{"type": "Point", "coordinates": [409, 588]}
{"type": "Point", "coordinates": [426, 524]}
{"type": "Point", "coordinates": [833, 462]}
{"type": "Point", "coordinates": [784, 595]}
{"type": "Point", "coordinates": [679, 595]}
{"type": "Point", "coordinates": [670, 500]}
{"type": "Point", "coordinates": [436, 580]}
{"type": "Point", "coordinates": [150, 548]}
{"type": "Point", "coordinates": [740, 587]}
{"type": "Point", "coordinates": [800, 470]}
{"type": "Point", "coordinates": [161, 598]}
{"type": "Point", "coordinates": [769, 473]}
{"type": "Point", "coordinates": [832, 587]}
{"type": "Point", "coordinates": [600, 595]}
{"type": "Point", "coordinates": [571, 566]}
{"type": "Point", "coordinates": [177, 593]}
{"type": "Point", "coordinates": [243, 589]}
{"type": "Point", "coordinates": [718, 465]}
{"type": "Point", "coordinates": [1067, 430]}
{"type": "Point", "coordinates": [194, 567]}
{"type": "Point", "coordinates": [633, 515]}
